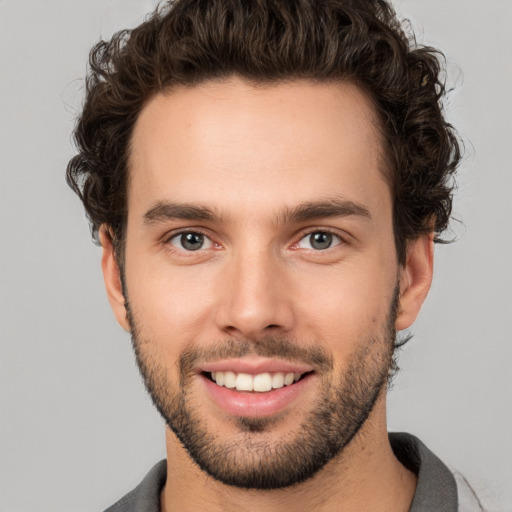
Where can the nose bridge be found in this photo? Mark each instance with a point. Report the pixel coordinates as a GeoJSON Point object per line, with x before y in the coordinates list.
{"type": "Point", "coordinates": [254, 297]}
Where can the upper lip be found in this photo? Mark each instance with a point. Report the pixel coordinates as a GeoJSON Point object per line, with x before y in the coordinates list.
{"type": "Point", "coordinates": [254, 366]}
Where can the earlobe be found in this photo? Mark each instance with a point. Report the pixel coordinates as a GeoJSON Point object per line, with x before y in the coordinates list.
{"type": "Point", "coordinates": [415, 279]}
{"type": "Point", "coordinates": [112, 277]}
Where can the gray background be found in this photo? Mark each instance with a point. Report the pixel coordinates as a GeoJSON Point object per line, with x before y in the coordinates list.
{"type": "Point", "coordinates": [77, 430]}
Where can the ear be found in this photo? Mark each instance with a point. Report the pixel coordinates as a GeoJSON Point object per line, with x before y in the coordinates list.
{"type": "Point", "coordinates": [415, 279]}
{"type": "Point", "coordinates": [112, 277]}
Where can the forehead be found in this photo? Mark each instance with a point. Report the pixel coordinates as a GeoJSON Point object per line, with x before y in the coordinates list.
{"type": "Point", "coordinates": [231, 144]}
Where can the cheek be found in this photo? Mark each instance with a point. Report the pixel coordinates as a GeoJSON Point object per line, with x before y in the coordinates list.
{"type": "Point", "coordinates": [169, 304]}
{"type": "Point", "coordinates": [346, 307]}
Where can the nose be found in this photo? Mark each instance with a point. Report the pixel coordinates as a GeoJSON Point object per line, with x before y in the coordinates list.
{"type": "Point", "coordinates": [255, 296]}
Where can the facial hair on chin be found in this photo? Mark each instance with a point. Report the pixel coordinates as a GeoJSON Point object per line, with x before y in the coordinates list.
{"type": "Point", "coordinates": [251, 459]}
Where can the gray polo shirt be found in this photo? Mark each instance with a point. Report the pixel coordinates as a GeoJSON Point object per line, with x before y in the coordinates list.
{"type": "Point", "coordinates": [437, 490]}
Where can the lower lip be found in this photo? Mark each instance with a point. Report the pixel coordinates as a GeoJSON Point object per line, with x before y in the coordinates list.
{"type": "Point", "coordinates": [254, 404]}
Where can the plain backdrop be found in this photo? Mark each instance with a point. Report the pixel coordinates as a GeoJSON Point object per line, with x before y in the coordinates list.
{"type": "Point", "coordinates": [77, 430]}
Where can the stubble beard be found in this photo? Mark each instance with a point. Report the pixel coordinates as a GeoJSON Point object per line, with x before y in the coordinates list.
{"type": "Point", "coordinates": [253, 459]}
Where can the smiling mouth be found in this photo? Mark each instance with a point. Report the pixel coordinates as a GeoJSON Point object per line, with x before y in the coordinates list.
{"type": "Point", "coordinates": [259, 383]}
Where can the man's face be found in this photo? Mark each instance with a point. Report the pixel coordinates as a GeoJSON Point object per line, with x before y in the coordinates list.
{"type": "Point", "coordinates": [260, 254]}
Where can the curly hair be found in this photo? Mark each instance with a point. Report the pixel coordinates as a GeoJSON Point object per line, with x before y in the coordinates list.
{"type": "Point", "coordinates": [188, 42]}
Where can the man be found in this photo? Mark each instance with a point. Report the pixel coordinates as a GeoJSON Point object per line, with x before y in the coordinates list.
{"type": "Point", "coordinates": [267, 180]}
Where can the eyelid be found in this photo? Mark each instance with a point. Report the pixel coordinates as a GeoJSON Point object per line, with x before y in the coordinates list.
{"type": "Point", "coordinates": [166, 239]}
{"type": "Point", "coordinates": [309, 231]}
{"type": "Point", "coordinates": [298, 238]}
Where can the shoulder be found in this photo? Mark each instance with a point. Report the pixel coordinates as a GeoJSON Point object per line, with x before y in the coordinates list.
{"type": "Point", "coordinates": [146, 496]}
{"type": "Point", "coordinates": [468, 499]}
{"type": "Point", "coordinates": [439, 489]}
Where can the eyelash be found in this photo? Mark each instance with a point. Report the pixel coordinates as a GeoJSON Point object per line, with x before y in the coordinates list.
{"type": "Point", "coordinates": [176, 234]}
{"type": "Point", "coordinates": [311, 232]}
{"type": "Point", "coordinates": [295, 246]}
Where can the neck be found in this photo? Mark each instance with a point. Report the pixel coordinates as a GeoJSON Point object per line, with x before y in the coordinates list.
{"type": "Point", "coordinates": [365, 476]}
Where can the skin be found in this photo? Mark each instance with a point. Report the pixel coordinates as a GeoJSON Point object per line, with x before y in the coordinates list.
{"type": "Point", "coordinates": [249, 154]}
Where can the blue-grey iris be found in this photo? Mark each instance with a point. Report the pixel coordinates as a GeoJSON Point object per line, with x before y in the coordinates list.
{"type": "Point", "coordinates": [320, 240]}
{"type": "Point", "coordinates": [192, 241]}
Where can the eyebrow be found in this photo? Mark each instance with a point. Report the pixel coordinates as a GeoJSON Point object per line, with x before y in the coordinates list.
{"type": "Point", "coordinates": [165, 211]}
{"type": "Point", "coordinates": [323, 209]}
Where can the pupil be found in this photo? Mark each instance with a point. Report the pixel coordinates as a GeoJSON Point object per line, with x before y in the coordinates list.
{"type": "Point", "coordinates": [192, 241]}
{"type": "Point", "coordinates": [321, 240]}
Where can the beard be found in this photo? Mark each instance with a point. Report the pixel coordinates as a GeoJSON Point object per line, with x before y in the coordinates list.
{"type": "Point", "coordinates": [253, 458]}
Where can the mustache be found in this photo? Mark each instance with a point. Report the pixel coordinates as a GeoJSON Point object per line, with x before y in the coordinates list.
{"type": "Point", "coordinates": [270, 347]}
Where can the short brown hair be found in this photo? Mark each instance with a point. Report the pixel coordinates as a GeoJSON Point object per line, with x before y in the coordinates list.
{"type": "Point", "coordinates": [187, 42]}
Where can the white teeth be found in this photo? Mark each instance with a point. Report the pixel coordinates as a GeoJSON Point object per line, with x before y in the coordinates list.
{"type": "Point", "coordinates": [288, 379]}
{"type": "Point", "coordinates": [261, 382]}
{"type": "Point", "coordinates": [277, 380]}
{"type": "Point", "coordinates": [229, 379]}
{"type": "Point", "coordinates": [244, 382]}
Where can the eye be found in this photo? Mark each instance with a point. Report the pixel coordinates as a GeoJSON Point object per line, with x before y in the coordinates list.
{"type": "Point", "coordinates": [319, 241]}
{"type": "Point", "coordinates": [190, 241]}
